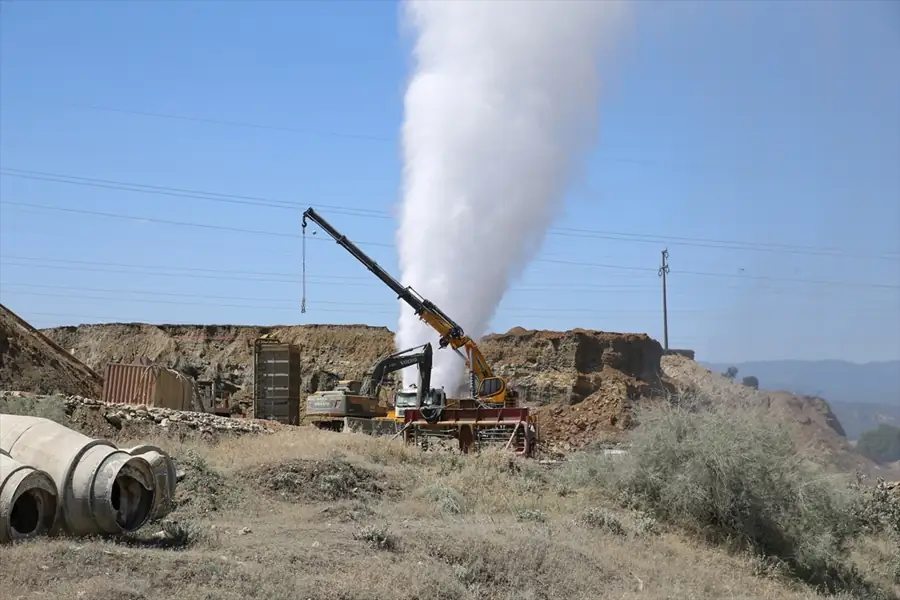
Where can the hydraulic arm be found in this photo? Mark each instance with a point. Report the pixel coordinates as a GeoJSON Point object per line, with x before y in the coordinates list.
{"type": "Point", "coordinates": [485, 385]}
{"type": "Point", "coordinates": [396, 362]}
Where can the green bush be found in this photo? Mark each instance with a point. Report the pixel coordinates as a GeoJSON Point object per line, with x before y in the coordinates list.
{"type": "Point", "coordinates": [732, 475]}
{"type": "Point", "coordinates": [881, 444]}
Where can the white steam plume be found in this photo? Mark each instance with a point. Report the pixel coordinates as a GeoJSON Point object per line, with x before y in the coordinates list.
{"type": "Point", "coordinates": [499, 111]}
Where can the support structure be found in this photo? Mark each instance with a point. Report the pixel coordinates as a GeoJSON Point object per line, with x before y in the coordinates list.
{"type": "Point", "coordinates": [663, 271]}
{"type": "Point", "coordinates": [512, 428]}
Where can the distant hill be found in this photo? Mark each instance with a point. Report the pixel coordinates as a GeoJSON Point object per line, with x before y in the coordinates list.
{"type": "Point", "coordinates": [861, 395]}
{"type": "Point", "coordinates": [857, 417]}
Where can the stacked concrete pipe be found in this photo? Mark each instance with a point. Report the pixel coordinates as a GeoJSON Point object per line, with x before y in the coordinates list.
{"type": "Point", "coordinates": [165, 475]}
{"type": "Point", "coordinates": [103, 490]}
{"type": "Point", "coordinates": [28, 500]}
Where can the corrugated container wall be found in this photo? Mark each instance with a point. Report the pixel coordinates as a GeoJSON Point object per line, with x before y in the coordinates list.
{"type": "Point", "coordinates": [151, 385]}
{"type": "Point", "coordinates": [277, 382]}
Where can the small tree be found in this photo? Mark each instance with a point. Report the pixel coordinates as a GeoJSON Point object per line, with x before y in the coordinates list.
{"type": "Point", "coordinates": [881, 444]}
{"type": "Point", "coordinates": [731, 373]}
{"type": "Point", "coordinates": [751, 382]}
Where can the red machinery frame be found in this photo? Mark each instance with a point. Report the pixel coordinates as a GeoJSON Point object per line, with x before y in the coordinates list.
{"type": "Point", "coordinates": [465, 421]}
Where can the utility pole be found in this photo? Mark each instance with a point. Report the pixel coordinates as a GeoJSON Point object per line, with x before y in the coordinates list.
{"type": "Point", "coordinates": [663, 271]}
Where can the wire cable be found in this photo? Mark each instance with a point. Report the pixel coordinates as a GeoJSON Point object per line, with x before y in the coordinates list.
{"type": "Point", "coordinates": [538, 260]}
{"type": "Point", "coordinates": [379, 214]}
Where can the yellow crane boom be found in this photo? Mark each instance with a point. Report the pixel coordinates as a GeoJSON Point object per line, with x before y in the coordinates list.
{"type": "Point", "coordinates": [485, 385]}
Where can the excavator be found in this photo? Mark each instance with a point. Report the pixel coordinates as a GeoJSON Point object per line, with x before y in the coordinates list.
{"type": "Point", "coordinates": [487, 388]}
{"type": "Point", "coordinates": [359, 400]}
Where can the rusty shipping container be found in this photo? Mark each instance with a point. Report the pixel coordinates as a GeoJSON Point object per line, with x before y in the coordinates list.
{"type": "Point", "coordinates": [150, 385]}
{"type": "Point", "coordinates": [277, 381]}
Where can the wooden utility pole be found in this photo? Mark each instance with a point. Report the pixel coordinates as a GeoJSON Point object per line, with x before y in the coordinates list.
{"type": "Point", "coordinates": [663, 271]}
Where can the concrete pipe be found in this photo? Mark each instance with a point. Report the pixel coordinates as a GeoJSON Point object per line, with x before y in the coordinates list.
{"type": "Point", "coordinates": [28, 501]}
{"type": "Point", "coordinates": [166, 477]}
{"type": "Point", "coordinates": [103, 490]}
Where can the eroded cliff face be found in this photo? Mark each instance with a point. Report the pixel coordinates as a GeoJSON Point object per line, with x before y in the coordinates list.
{"type": "Point", "coordinates": [570, 366]}
{"type": "Point", "coordinates": [546, 366]}
{"type": "Point", "coordinates": [30, 361]}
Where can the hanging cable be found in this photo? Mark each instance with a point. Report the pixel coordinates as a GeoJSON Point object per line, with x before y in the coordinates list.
{"type": "Point", "coordinates": [303, 268]}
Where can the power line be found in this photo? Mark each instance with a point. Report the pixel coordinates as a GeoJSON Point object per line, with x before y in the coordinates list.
{"type": "Point", "coordinates": [144, 188]}
{"type": "Point", "coordinates": [291, 278]}
{"type": "Point", "coordinates": [363, 306]}
{"type": "Point", "coordinates": [245, 124]}
{"type": "Point", "coordinates": [379, 214]}
{"type": "Point", "coordinates": [538, 260]}
{"type": "Point", "coordinates": [96, 213]}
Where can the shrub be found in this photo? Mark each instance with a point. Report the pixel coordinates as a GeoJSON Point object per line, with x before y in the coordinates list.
{"type": "Point", "coordinates": [731, 475]}
{"type": "Point", "coordinates": [376, 536]}
{"type": "Point", "coordinates": [881, 444]}
{"type": "Point", "coordinates": [599, 518]}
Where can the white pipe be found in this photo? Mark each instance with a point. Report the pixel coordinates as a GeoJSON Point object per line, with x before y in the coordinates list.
{"type": "Point", "coordinates": [28, 501]}
{"type": "Point", "coordinates": [103, 490]}
{"type": "Point", "coordinates": [165, 475]}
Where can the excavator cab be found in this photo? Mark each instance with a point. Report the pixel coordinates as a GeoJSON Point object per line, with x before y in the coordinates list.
{"type": "Point", "coordinates": [404, 399]}
{"type": "Point", "coordinates": [409, 398]}
{"type": "Point", "coordinates": [492, 389]}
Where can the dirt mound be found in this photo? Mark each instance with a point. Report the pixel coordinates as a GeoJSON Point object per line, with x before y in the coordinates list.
{"type": "Point", "coordinates": [206, 351]}
{"type": "Point", "coordinates": [316, 480]}
{"type": "Point", "coordinates": [817, 430]}
{"type": "Point", "coordinates": [31, 362]}
{"type": "Point", "coordinates": [584, 382]}
{"type": "Point", "coordinates": [201, 489]}
{"type": "Point", "coordinates": [545, 366]}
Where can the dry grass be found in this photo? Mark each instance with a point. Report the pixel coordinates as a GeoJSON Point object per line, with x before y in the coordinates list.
{"type": "Point", "coordinates": [261, 518]}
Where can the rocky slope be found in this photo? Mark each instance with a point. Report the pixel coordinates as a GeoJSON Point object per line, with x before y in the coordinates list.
{"type": "Point", "coordinates": [817, 430]}
{"type": "Point", "coordinates": [28, 360]}
{"type": "Point", "coordinates": [583, 383]}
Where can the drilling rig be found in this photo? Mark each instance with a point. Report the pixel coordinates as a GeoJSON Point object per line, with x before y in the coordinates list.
{"type": "Point", "coordinates": [491, 413]}
{"type": "Point", "coordinates": [352, 401]}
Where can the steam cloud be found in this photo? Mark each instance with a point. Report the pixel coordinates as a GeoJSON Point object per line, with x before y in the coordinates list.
{"type": "Point", "coordinates": [499, 111]}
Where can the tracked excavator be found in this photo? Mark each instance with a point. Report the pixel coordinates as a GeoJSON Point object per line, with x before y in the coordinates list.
{"type": "Point", "coordinates": [352, 399]}
{"type": "Point", "coordinates": [488, 389]}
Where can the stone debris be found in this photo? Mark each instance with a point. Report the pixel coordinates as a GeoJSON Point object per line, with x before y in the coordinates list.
{"type": "Point", "coordinates": [116, 414]}
{"type": "Point", "coordinates": [119, 415]}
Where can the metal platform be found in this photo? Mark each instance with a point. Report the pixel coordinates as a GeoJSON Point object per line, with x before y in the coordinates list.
{"type": "Point", "coordinates": [514, 428]}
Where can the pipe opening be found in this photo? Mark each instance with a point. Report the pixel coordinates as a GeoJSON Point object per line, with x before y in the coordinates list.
{"type": "Point", "coordinates": [26, 513]}
{"type": "Point", "coordinates": [131, 501]}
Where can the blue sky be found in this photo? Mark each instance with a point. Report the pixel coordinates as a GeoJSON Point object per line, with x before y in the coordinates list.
{"type": "Point", "coordinates": [772, 124]}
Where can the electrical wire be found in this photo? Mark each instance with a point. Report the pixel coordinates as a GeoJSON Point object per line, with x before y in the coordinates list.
{"type": "Point", "coordinates": [366, 243]}
{"type": "Point", "coordinates": [379, 214]}
{"type": "Point", "coordinates": [147, 296]}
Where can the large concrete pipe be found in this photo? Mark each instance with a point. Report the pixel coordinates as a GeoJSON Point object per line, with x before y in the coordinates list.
{"type": "Point", "coordinates": [166, 477]}
{"type": "Point", "coordinates": [103, 490]}
{"type": "Point", "coordinates": [28, 501]}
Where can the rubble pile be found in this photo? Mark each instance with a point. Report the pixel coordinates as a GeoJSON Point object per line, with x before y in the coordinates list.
{"type": "Point", "coordinates": [118, 415]}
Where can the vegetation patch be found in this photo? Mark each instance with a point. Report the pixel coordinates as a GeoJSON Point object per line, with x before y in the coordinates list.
{"type": "Point", "coordinates": [301, 480]}
{"type": "Point", "coordinates": [733, 476]}
{"type": "Point", "coordinates": [201, 489]}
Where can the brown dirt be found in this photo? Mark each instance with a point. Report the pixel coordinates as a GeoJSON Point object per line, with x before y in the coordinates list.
{"type": "Point", "coordinates": [231, 540]}
{"type": "Point", "coordinates": [583, 384]}
{"type": "Point", "coordinates": [30, 361]}
{"type": "Point", "coordinates": [586, 380]}
{"type": "Point", "coordinates": [817, 429]}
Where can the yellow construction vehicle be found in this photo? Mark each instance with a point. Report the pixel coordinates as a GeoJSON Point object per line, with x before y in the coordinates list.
{"type": "Point", "coordinates": [486, 387]}
{"type": "Point", "coordinates": [352, 401]}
